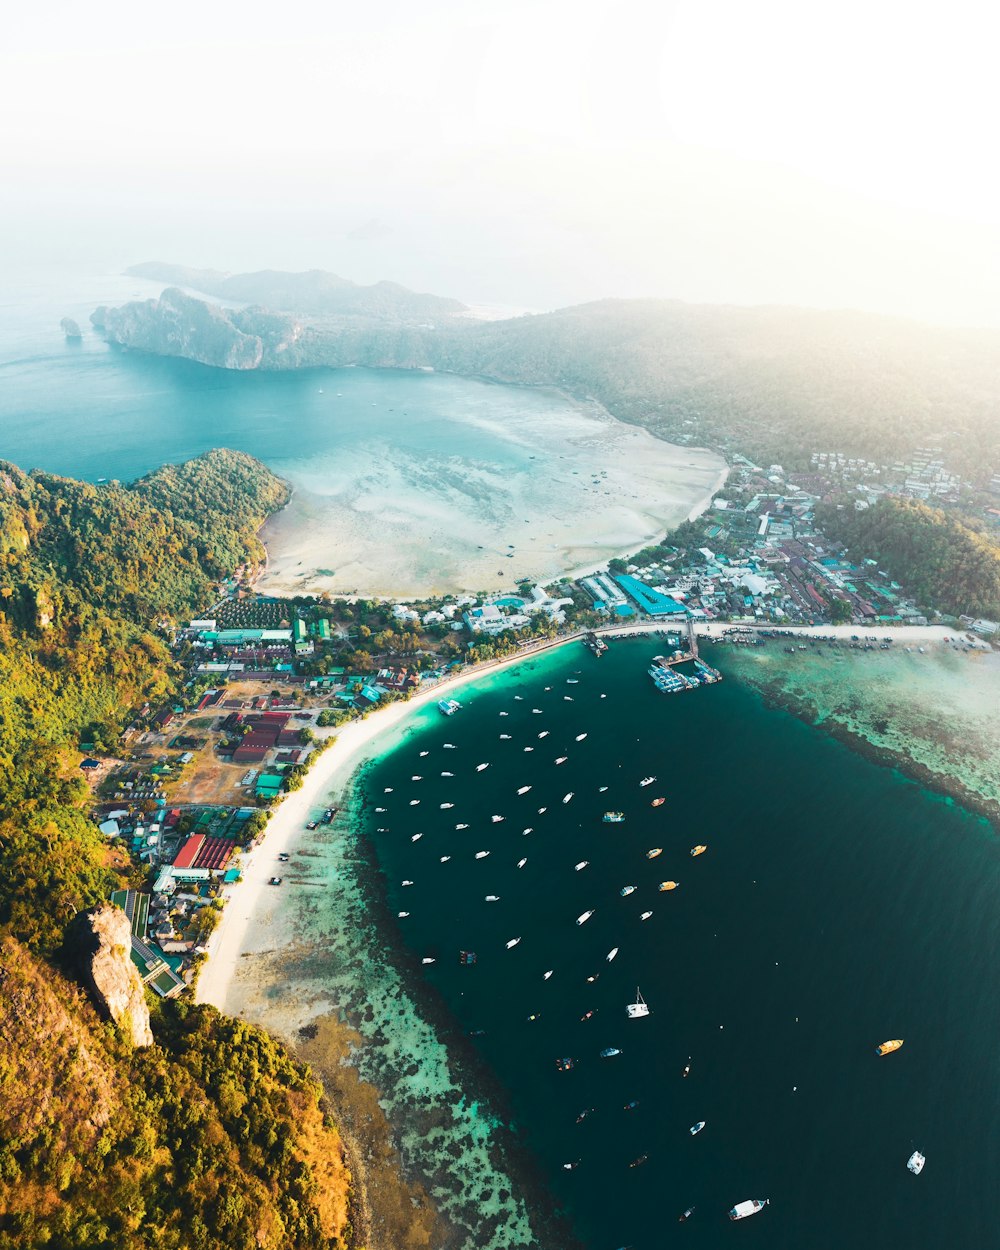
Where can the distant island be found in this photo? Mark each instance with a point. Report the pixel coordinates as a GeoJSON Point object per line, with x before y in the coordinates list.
{"type": "Point", "coordinates": [70, 328]}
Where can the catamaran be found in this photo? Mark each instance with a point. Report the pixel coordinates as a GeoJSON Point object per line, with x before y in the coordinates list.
{"type": "Point", "coordinates": [638, 1009]}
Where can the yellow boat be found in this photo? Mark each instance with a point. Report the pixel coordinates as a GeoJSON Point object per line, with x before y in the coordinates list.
{"type": "Point", "coordinates": [658, 802]}
{"type": "Point", "coordinates": [888, 1047]}
{"type": "Point", "coordinates": [668, 885]}
{"type": "Point", "coordinates": [656, 850]}
{"type": "Point", "coordinates": [698, 850]}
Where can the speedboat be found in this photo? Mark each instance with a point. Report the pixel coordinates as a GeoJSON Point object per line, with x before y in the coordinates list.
{"type": "Point", "coordinates": [609, 1052]}
{"type": "Point", "coordinates": [667, 885]}
{"type": "Point", "coordinates": [750, 1207]}
{"type": "Point", "coordinates": [647, 781]}
{"type": "Point", "coordinates": [512, 943]}
{"type": "Point", "coordinates": [523, 789]}
{"type": "Point", "coordinates": [544, 733]}
{"type": "Point", "coordinates": [461, 826]}
{"type": "Point", "coordinates": [414, 802]}
{"type": "Point", "coordinates": [407, 883]}
{"type": "Point", "coordinates": [522, 862]}
{"type": "Point", "coordinates": [611, 953]}
{"type": "Point", "coordinates": [571, 1166]}
{"type": "Point", "coordinates": [696, 1128]}
{"type": "Point", "coordinates": [493, 898]}
{"type": "Point", "coordinates": [423, 753]}
{"type": "Point", "coordinates": [562, 759]}
{"type": "Point", "coordinates": [525, 832]}
{"type": "Point", "coordinates": [546, 975]}
{"type": "Point", "coordinates": [480, 767]}
{"type": "Point", "coordinates": [698, 850]}
{"type": "Point", "coordinates": [402, 914]}
{"type": "Point", "coordinates": [656, 850]}
{"type": "Point", "coordinates": [497, 819]}
{"type": "Point", "coordinates": [584, 916]}
{"type": "Point", "coordinates": [886, 1048]}
{"type": "Point", "coordinates": [916, 1163]}
{"type": "Point", "coordinates": [450, 746]}
{"type": "Point", "coordinates": [447, 774]}
{"type": "Point", "coordinates": [416, 837]}
{"type": "Point", "coordinates": [446, 806]}
{"type": "Point", "coordinates": [529, 748]}
{"type": "Point", "coordinates": [568, 698]}
{"type": "Point", "coordinates": [645, 915]}
{"type": "Point", "coordinates": [387, 790]}
{"type": "Point", "coordinates": [686, 1216]}
{"type": "Point", "coordinates": [658, 802]}
{"type": "Point", "coordinates": [601, 789]}
{"type": "Point", "coordinates": [381, 809]}
{"type": "Point", "coordinates": [567, 797]}
{"type": "Point", "coordinates": [638, 1009]}
{"type": "Point", "coordinates": [542, 811]}
{"type": "Point", "coordinates": [580, 737]}
{"type": "Point", "coordinates": [505, 737]}
{"type": "Point", "coordinates": [572, 681]}
{"type": "Point", "coordinates": [428, 961]}
{"type": "Point", "coordinates": [626, 890]}
{"type": "Point", "coordinates": [536, 711]}
{"type": "Point", "coordinates": [582, 864]}
{"type": "Point", "coordinates": [416, 777]}
{"type": "Point", "coordinates": [481, 854]}
{"type": "Point", "coordinates": [445, 858]}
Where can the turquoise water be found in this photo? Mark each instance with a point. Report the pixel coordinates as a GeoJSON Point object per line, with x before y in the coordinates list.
{"type": "Point", "coordinates": [838, 905]}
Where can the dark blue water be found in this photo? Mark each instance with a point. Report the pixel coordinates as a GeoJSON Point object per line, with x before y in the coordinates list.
{"type": "Point", "coordinates": [838, 905]}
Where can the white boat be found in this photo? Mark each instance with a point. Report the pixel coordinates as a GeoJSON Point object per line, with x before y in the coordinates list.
{"type": "Point", "coordinates": [584, 916]}
{"type": "Point", "coordinates": [612, 953]}
{"type": "Point", "coordinates": [505, 737]}
{"type": "Point", "coordinates": [513, 942]}
{"type": "Point", "coordinates": [447, 774]}
{"type": "Point", "coordinates": [544, 733]}
{"type": "Point", "coordinates": [638, 1009]}
{"type": "Point", "coordinates": [522, 862]}
{"type": "Point", "coordinates": [647, 781]}
{"type": "Point", "coordinates": [580, 737]}
{"type": "Point", "coordinates": [416, 777]}
{"type": "Point", "coordinates": [750, 1207]}
{"type": "Point", "coordinates": [423, 753]}
{"type": "Point", "coordinates": [645, 915]}
{"type": "Point", "coordinates": [381, 809]}
{"type": "Point", "coordinates": [481, 854]}
{"type": "Point", "coordinates": [407, 883]}
{"type": "Point", "coordinates": [445, 806]}
{"type": "Point", "coordinates": [562, 759]}
{"type": "Point", "coordinates": [497, 819]}
{"type": "Point", "coordinates": [387, 790]}
{"type": "Point", "coordinates": [523, 789]}
{"type": "Point", "coordinates": [536, 711]}
{"type": "Point", "coordinates": [529, 748]}
{"type": "Point", "coordinates": [601, 789]}
{"type": "Point", "coordinates": [445, 858]}
{"type": "Point", "coordinates": [546, 975]}
{"type": "Point", "coordinates": [916, 1162]}
{"type": "Point", "coordinates": [493, 898]}
{"type": "Point", "coordinates": [567, 797]}
{"type": "Point", "coordinates": [402, 914]}
{"type": "Point", "coordinates": [582, 864]}
{"type": "Point", "coordinates": [428, 961]}
{"type": "Point", "coordinates": [450, 746]}
{"type": "Point", "coordinates": [414, 802]}
{"type": "Point", "coordinates": [568, 698]}
{"type": "Point", "coordinates": [461, 826]}
{"type": "Point", "coordinates": [480, 767]}
{"type": "Point", "coordinates": [416, 837]}
{"type": "Point", "coordinates": [525, 832]}
{"type": "Point", "coordinates": [448, 707]}
{"type": "Point", "coordinates": [626, 890]}
{"type": "Point", "coordinates": [696, 1128]}
{"type": "Point", "coordinates": [542, 811]}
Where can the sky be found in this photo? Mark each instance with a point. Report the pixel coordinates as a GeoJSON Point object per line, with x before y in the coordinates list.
{"type": "Point", "coordinates": [524, 154]}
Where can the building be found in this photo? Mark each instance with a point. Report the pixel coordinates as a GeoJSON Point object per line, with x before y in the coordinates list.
{"type": "Point", "coordinates": [201, 857]}
{"type": "Point", "coordinates": [490, 619]}
{"type": "Point", "coordinates": [652, 602]}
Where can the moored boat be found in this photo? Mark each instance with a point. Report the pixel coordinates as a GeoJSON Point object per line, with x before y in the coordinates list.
{"type": "Point", "coordinates": [886, 1048]}
{"type": "Point", "coordinates": [609, 1052]}
{"type": "Point", "coordinates": [696, 1128]}
{"type": "Point", "coordinates": [916, 1163]}
{"type": "Point", "coordinates": [613, 818]}
{"type": "Point", "coordinates": [750, 1207]}
{"type": "Point", "coordinates": [698, 850]}
{"type": "Point", "coordinates": [645, 915]}
{"type": "Point", "coordinates": [626, 890]}
{"type": "Point", "coordinates": [584, 916]}
{"type": "Point", "coordinates": [654, 851]}
{"type": "Point", "coordinates": [582, 864]}
{"type": "Point", "coordinates": [512, 943]}
{"type": "Point", "coordinates": [667, 885]}
{"type": "Point", "coordinates": [611, 954]}
{"type": "Point", "coordinates": [658, 802]}
{"type": "Point", "coordinates": [567, 797]}
{"type": "Point", "coordinates": [647, 781]}
{"type": "Point", "coordinates": [638, 1009]}
{"type": "Point", "coordinates": [448, 707]}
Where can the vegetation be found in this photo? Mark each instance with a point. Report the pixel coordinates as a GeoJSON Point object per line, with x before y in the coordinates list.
{"type": "Point", "coordinates": [947, 565]}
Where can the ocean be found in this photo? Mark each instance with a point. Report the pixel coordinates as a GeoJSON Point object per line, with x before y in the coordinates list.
{"type": "Point", "coordinates": [837, 905]}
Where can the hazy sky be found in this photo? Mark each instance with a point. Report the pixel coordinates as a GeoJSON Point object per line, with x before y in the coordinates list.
{"type": "Point", "coordinates": [531, 154]}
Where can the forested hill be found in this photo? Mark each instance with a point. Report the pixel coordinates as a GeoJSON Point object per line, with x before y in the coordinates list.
{"type": "Point", "coordinates": [947, 565]}
{"type": "Point", "coordinates": [213, 1137]}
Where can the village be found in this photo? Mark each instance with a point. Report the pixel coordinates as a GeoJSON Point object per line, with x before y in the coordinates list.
{"type": "Point", "coordinates": [268, 681]}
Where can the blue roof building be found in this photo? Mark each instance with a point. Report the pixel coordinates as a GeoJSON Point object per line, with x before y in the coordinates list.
{"type": "Point", "coordinates": [652, 602]}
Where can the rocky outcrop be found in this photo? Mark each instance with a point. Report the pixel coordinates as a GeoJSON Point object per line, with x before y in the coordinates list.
{"type": "Point", "coordinates": [99, 942]}
{"type": "Point", "coordinates": [177, 324]}
{"type": "Point", "coordinates": [70, 328]}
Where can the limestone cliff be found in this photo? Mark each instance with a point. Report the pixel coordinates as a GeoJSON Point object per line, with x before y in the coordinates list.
{"type": "Point", "coordinates": [70, 328]}
{"type": "Point", "coordinates": [99, 941]}
{"type": "Point", "coordinates": [177, 324]}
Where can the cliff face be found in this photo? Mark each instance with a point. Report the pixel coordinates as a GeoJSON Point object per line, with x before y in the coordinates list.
{"type": "Point", "coordinates": [100, 942]}
{"type": "Point", "coordinates": [179, 325]}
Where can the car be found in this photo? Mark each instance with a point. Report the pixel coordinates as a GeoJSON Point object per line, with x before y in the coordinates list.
{"type": "Point", "coordinates": [284, 857]}
{"type": "Point", "coordinates": [275, 881]}
{"type": "Point", "coordinates": [329, 814]}
{"type": "Point", "coordinates": [312, 825]}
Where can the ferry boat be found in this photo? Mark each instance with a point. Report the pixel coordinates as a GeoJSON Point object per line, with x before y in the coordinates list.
{"type": "Point", "coordinates": [647, 781]}
{"type": "Point", "coordinates": [609, 1052]}
{"type": "Point", "coordinates": [448, 707]}
{"type": "Point", "coordinates": [886, 1048]}
{"type": "Point", "coordinates": [638, 1009]}
{"type": "Point", "coordinates": [626, 890]}
{"type": "Point", "coordinates": [584, 916]}
{"type": "Point", "coordinates": [658, 802]}
{"type": "Point", "coordinates": [654, 851]}
{"type": "Point", "coordinates": [698, 850]}
{"type": "Point", "coordinates": [916, 1163]}
{"type": "Point", "coordinates": [667, 885]}
{"type": "Point", "coordinates": [696, 1128]}
{"type": "Point", "coordinates": [613, 818]}
{"type": "Point", "coordinates": [750, 1207]}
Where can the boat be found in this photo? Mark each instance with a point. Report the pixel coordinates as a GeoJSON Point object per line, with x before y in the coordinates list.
{"type": "Point", "coordinates": [522, 862]}
{"type": "Point", "coordinates": [587, 1015]}
{"type": "Point", "coordinates": [696, 1128]}
{"type": "Point", "coordinates": [445, 858]}
{"type": "Point", "coordinates": [567, 797]}
{"type": "Point", "coordinates": [611, 953]}
{"type": "Point", "coordinates": [583, 1114]}
{"type": "Point", "coordinates": [609, 1052]}
{"type": "Point", "coordinates": [750, 1207]}
{"type": "Point", "coordinates": [497, 819]}
{"type": "Point", "coordinates": [529, 748]}
{"type": "Point", "coordinates": [447, 774]}
{"type": "Point", "coordinates": [562, 759]}
{"type": "Point", "coordinates": [428, 961]}
{"type": "Point", "coordinates": [416, 777]}
{"type": "Point", "coordinates": [572, 681]}
{"type": "Point", "coordinates": [414, 802]}
{"type": "Point", "coordinates": [647, 781]}
{"type": "Point", "coordinates": [916, 1162]}
{"type": "Point", "coordinates": [461, 826]}
{"type": "Point", "coordinates": [886, 1048]}
{"type": "Point", "coordinates": [446, 806]}
{"type": "Point", "coordinates": [638, 1009]}
{"type": "Point", "coordinates": [571, 1166]}
{"type": "Point", "coordinates": [645, 915]}
{"type": "Point", "coordinates": [525, 832]}
{"type": "Point", "coordinates": [387, 790]}
{"type": "Point", "coordinates": [523, 789]}
{"type": "Point", "coordinates": [582, 864]}
{"type": "Point", "coordinates": [613, 818]}
{"type": "Point", "coordinates": [546, 975]}
{"type": "Point", "coordinates": [658, 802]}
{"type": "Point", "coordinates": [544, 733]}
{"type": "Point", "coordinates": [580, 737]}
{"type": "Point", "coordinates": [637, 1163]}
{"type": "Point", "coordinates": [416, 837]}
{"type": "Point", "coordinates": [584, 916]}
{"type": "Point", "coordinates": [450, 746]}
{"type": "Point", "coordinates": [536, 711]}
{"type": "Point", "coordinates": [493, 898]}
{"type": "Point", "coordinates": [467, 958]}
{"type": "Point", "coordinates": [631, 1106]}
{"type": "Point", "coordinates": [381, 809]}
{"type": "Point", "coordinates": [667, 885]}
{"type": "Point", "coordinates": [481, 854]}
{"type": "Point", "coordinates": [687, 1067]}
{"type": "Point", "coordinates": [407, 883]}
{"type": "Point", "coordinates": [480, 767]}
{"type": "Point", "coordinates": [512, 943]}
{"type": "Point", "coordinates": [654, 851]}
{"type": "Point", "coordinates": [698, 850]}
{"type": "Point", "coordinates": [542, 811]}
{"type": "Point", "coordinates": [402, 914]}
{"type": "Point", "coordinates": [626, 890]}
{"type": "Point", "coordinates": [565, 1065]}
{"type": "Point", "coordinates": [568, 698]}
{"type": "Point", "coordinates": [686, 1216]}
{"type": "Point", "coordinates": [601, 789]}
{"type": "Point", "coordinates": [448, 707]}
{"type": "Point", "coordinates": [505, 737]}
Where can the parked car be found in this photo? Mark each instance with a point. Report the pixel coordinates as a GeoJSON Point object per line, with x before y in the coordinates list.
{"type": "Point", "coordinates": [311, 825]}
{"type": "Point", "coordinates": [275, 881]}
